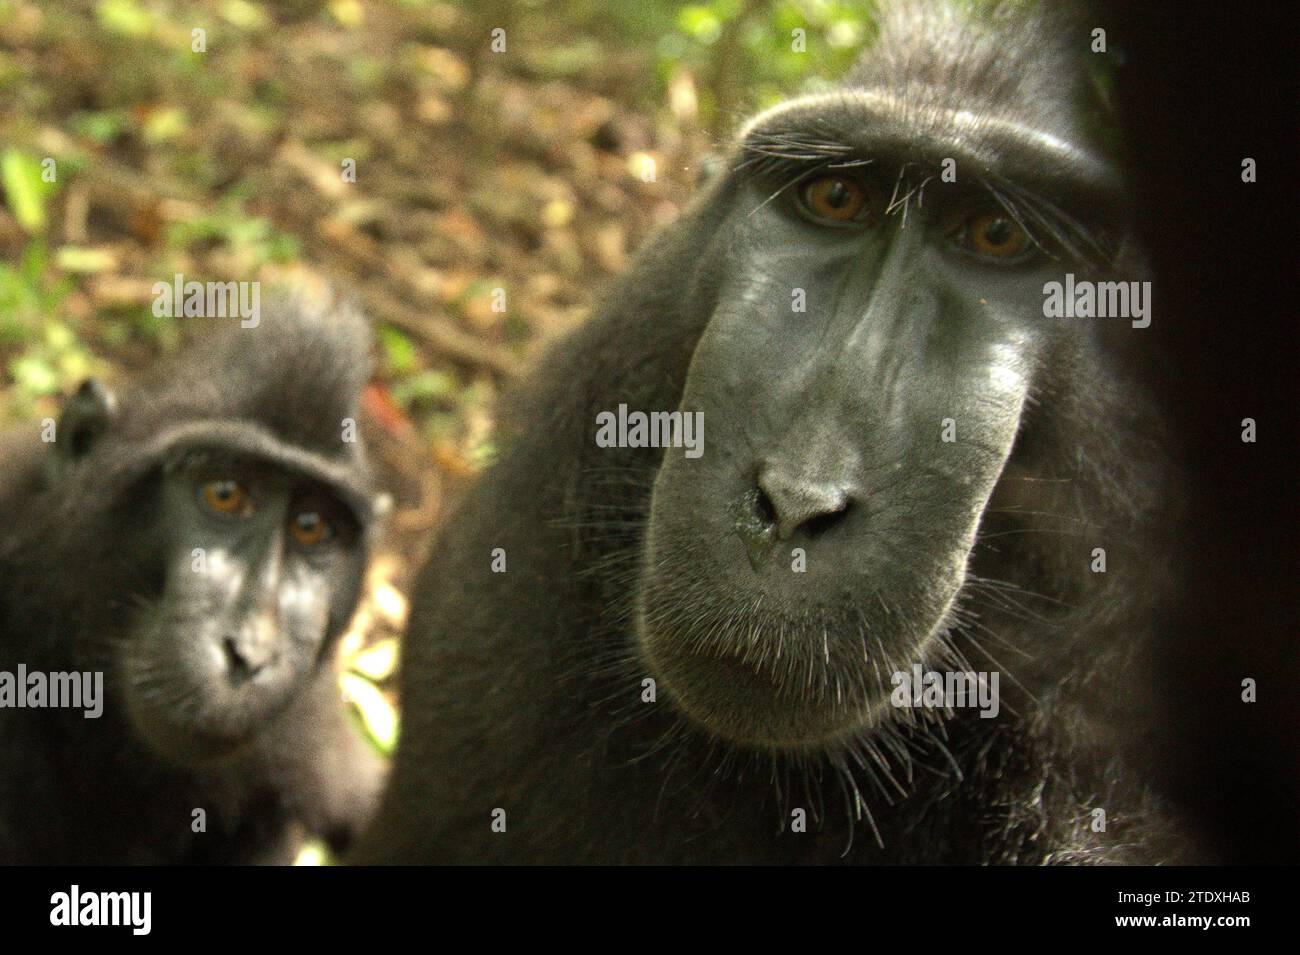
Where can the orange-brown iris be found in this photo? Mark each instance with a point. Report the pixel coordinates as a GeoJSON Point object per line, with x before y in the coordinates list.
{"type": "Point", "coordinates": [309, 528]}
{"type": "Point", "coordinates": [838, 198]}
{"type": "Point", "coordinates": [227, 497]}
{"type": "Point", "coordinates": [995, 235]}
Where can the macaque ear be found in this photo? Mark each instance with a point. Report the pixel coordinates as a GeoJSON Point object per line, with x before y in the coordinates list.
{"type": "Point", "coordinates": [86, 415]}
{"type": "Point", "coordinates": [711, 167]}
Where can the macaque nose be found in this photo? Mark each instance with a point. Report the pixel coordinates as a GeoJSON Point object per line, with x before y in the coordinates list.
{"type": "Point", "coordinates": [796, 503]}
{"type": "Point", "coordinates": [251, 649]}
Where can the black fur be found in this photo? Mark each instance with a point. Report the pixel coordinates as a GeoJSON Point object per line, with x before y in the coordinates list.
{"type": "Point", "coordinates": [522, 690]}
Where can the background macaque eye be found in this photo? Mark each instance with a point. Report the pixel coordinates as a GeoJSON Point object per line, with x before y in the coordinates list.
{"type": "Point", "coordinates": [226, 497]}
{"type": "Point", "coordinates": [994, 235]}
{"type": "Point", "coordinates": [309, 528]}
{"type": "Point", "coordinates": [835, 198]}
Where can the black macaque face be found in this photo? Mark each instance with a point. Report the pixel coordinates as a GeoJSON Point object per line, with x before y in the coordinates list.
{"type": "Point", "coordinates": [877, 337]}
{"type": "Point", "coordinates": [257, 569]}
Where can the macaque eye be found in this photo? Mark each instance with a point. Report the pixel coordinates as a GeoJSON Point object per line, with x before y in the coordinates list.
{"type": "Point", "coordinates": [226, 497]}
{"type": "Point", "coordinates": [835, 198]}
{"type": "Point", "coordinates": [994, 235]}
{"type": "Point", "coordinates": [309, 528]}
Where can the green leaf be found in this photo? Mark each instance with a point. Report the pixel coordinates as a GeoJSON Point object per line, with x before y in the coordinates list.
{"type": "Point", "coordinates": [376, 663]}
{"type": "Point", "coordinates": [26, 192]}
{"type": "Point", "coordinates": [75, 258]}
{"type": "Point", "coordinates": [378, 717]}
{"type": "Point", "coordinates": [398, 350]}
{"type": "Point", "coordinates": [314, 853]}
{"type": "Point", "coordinates": [101, 127]}
{"type": "Point", "coordinates": [34, 375]}
{"type": "Point", "coordinates": [699, 22]}
{"type": "Point", "coordinates": [425, 386]}
{"type": "Point", "coordinates": [125, 17]}
{"type": "Point", "coordinates": [164, 125]}
{"type": "Point", "coordinates": [245, 15]}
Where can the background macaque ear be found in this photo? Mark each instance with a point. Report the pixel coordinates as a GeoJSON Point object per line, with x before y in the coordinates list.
{"type": "Point", "coordinates": [710, 168]}
{"type": "Point", "coordinates": [86, 415]}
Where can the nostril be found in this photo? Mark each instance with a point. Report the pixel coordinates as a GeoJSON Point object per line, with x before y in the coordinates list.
{"type": "Point", "coordinates": [238, 665]}
{"type": "Point", "coordinates": [799, 505]}
{"type": "Point", "coordinates": [818, 524]}
{"type": "Point", "coordinates": [235, 663]}
{"type": "Point", "coordinates": [764, 509]}
{"type": "Point", "coordinates": [754, 520]}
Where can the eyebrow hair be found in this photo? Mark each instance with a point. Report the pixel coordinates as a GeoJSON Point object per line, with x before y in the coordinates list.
{"type": "Point", "coordinates": [789, 156]}
{"type": "Point", "coordinates": [957, 119]}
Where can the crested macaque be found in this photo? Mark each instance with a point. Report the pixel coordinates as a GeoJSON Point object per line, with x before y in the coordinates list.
{"type": "Point", "coordinates": [177, 562]}
{"type": "Point", "coordinates": [910, 467]}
